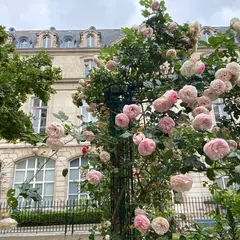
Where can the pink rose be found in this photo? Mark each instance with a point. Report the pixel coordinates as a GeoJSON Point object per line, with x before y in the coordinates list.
{"type": "Point", "coordinates": [236, 26]}
{"type": "Point", "coordinates": [232, 144]}
{"type": "Point", "coordinates": [55, 143]}
{"type": "Point", "coordinates": [55, 130]}
{"type": "Point", "coordinates": [155, 5]}
{"type": "Point", "coordinates": [111, 65]}
{"type": "Point", "coordinates": [160, 225]}
{"type": "Point", "coordinates": [181, 183]}
{"type": "Point", "coordinates": [146, 147]}
{"type": "Point", "coordinates": [172, 26]}
{"type": "Point", "coordinates": [216, 149]}
{"type": "Point", "coordinates": [122, 120]}
{"type": "Point", "coordinates": [161, 105]}
{"type": "Point", "coordinates": [105, 156]}
{"type": "Point", "coordinates": [205, 102]}
{"type": "Point", "coordinates": [172, 96]}
{"type": "Point", "coordinates": [132, 110]}
{"type": "Point", "coordinates": [199, 110]}
{"type": "Point", "coordinates": [94, 177]}
{"type": "Point", "coordinates": [141, 223]}
{"type": "Point", "coordinates": [210, 93]}
{"type": "Point", "coordinates": [202, 122]}
{"type": "Point", "coordinates": [138, 137]}
{"type": "Point", "coordinates": [218, 86]}
{"type": "Point", "coordinates": [97, 61]}
{"type": "Point", "coordinates": [139, 211]}
{"type": "Point", "coordinates": [233, 68]}
{"type": "Point", "coordinates": [82, 96]}
{"type": "Point", "coordinates": [148, 32]}
{"type": "Point", "coordinates": [8, 224]}
{"type": "Point", "coordinates": [201, 67]}
{"type": "Point", "coordinates": [166, 124]}
{"type": "Point", "coordinates": [223, 74]}
{"type": "Point", "coordinates": [188, 94]}
{"type": "Point", "coordinates": [88, 136]}
{"type": "Point", "coordinates": [228, 86]}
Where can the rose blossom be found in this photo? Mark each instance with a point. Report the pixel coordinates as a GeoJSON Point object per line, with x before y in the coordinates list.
{"type": "Point", "coordinates": [171, 53]}
{"type": "Point", "coordinates": [8, 224]}
{"type": "Point", "coordinates": [188, 94]}
{"type": "Point", "coordinates": [202, 122]}
{"type": "Point", "coordinates": [201, 67]}
{"type": "Point", "coordinates": [236, 26]}
{"type": "Point", "coordinates": [216, 149]}
{"type": "Point", "coordinates": [228, 86]}
{"type": "Point", "coordinates": [233, 68]}
{"type": "Point", "coordinates": [82, 82]}
{"type": "Point", "coordinates": [94, 177]}
{"type": "Point", "coordinates": [111, 65]}
{"type": "Point", "coordinates": [181, 183]}
{"type": "Point", "coordinates": [172, 26]}
{"type": "Point", "coordinates": [121, 120]}
{"type": "Point", "coordinates": [161, 105]}
{"type": "Point", "coordinates": [148, 32]}
{"type": "Point", "coordinates": [88, 136]}
{"type": "Point", "coordinates": [233, 20]}
{"type": "Point", "coordinates": [85, 149]}
{"type": "Point", "coordinates": [218, 86]}
{"type": "Point", "coordinates": [160, 225]}
{"type": "Point", "coordinates": [210, 93]}
{"type": "Point", "coordinates": [138, 137]}
{"type": "Point", "coordinates": [97, 61]}
{"type": "Point", "coordinates": [82, 96]}
{"type": "Point", "coordinates": [107, 237]}
{"type": "Point", "coordinates": [146, 147]}
{"type": "Point", "coordinates": [141, 223]}
{"type": "Point", "coordinates": [54, 143]}
{"type": "Point", "coordinates": [155, 5]}
{"type": "Point", "coordinates": [55, 130]}
{"type": "Point", "coordinates": [166, 124]}
{"type": "Point", "coordinates": [223, 74]}
{"type": "Point", "coordinates": [132, 110]}
{"type": "Point", "coordinates": [139, 211]}
{"type": "Point", "coordinates": [171, 96]}
{"type": "Point", "coordinates": [199, 110]}
{"type": "Point", "coordinates": [205, 101]}
{"type": "Point", "coordinates": [104, 156]}
{"type": "Point", "coordinates": [232, 144]}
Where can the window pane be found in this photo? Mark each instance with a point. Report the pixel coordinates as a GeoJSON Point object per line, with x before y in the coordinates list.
{"type": "Point", "coordinates": [36, 102]}
{"type": "Point", "coordinates": [44, 113]}
{"type": "Point", "coordinates": [48, 198]}
{"type": "Point", "coordinates": [74, 174]}
{"type": "Point", "coordinates": [73, 188]}
{"type": "Point", "coordinates": [84, 161]}
{"type": "Point", "coordinates": [19, 177]}
{"type": "Point", "coordinates": [40, 162]}
{"type": "Point", "coordinates": [21, 165]}
{"type": "Point", "coordinates": [30, 174]}
{"type": "Point", "coordinates": [31, 163]}
{"type": "Point", "coordinates": [48, 189]}
{"type": "Point", "coordinates": [50, 164]}
{"type": "Point", "coordinates": [72, 197]}
{"type": "Point", "coordinates": [40, 188]}
{"type": "Point", "coordinates": [44, 104]}
{"type": "Point", "coordinates": [39, 176]}
{"type": "Point", "coordinates": [74, 163]}
{"type": "Point", "coordinates": [17, 186]}
{"type": "Point", "coordinates": [49, 175]}
{"type": "Point", "coordinates": [42, 130]}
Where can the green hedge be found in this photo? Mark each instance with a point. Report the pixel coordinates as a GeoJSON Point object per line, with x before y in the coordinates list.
{"type": "Point", "coordinates": [57, 218]}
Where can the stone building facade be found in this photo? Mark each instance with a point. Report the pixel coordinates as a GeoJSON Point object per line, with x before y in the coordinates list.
{"type": "Point", "coordinates": [72, 51]}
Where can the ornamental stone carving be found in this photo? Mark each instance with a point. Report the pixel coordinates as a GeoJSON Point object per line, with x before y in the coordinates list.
{"type": "Point", "coordinates": [96, 35]}
{"type": "Point", "coordinates": [41, 35]}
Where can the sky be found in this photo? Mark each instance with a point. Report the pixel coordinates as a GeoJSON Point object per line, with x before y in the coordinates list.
{"type": "Point", "coordinates": [81, 14]}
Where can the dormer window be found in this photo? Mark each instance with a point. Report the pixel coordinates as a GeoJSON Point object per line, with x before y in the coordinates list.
{"type": "Point", "coordinates": [205, 36]}
{"type": "Point", "coordinates": [68, 43]}
{"type": "Point", "coordinates": [23, 43]}
{"type": "Point", "coordinates": [90, 41]}
{"type": "Point", "coordinates": [46, 41]}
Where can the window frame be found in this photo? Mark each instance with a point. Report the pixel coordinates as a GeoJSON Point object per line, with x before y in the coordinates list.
{"type": "Point", "coordinates": [21, 46]}
{"type": "Point", "coordinates": [40, 108]}
{"type": "Point", "coordinates": [67, 43]}
{"type": "Point", "coordinates": [206, 35]}
{"type": "Point", "coordinates": [90, 41]}
{"type": "Point", "coordinates": [48, 42]}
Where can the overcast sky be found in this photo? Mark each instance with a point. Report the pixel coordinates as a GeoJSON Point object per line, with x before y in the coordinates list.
{"type": "Point", "coordinates": [81, 14]}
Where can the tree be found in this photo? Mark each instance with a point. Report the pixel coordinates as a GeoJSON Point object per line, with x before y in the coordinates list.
{"type": "Point", "coordinates": [21, 76]}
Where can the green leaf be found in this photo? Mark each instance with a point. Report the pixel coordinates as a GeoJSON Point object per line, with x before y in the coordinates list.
{"type": "Point", "coordinates": [148, 84]}
{"type": "Point", "coordinates": [126, 135]}
{"type": "Point", "coordinates": [208, 161]}
{"type": "Point", "coordinates": [11, 193]}
{"type": "Point", "coordinates": [168, 155]}
{"type": "Point", "coordinates": [56, 116]}
{"type": "Point", "coordinates": [210, 174]}
{"type": "Point", "coordinates": [203, 43]}
{"type": "Point", "coordinates": [12, 202]}
{"type": "Point", "coordinates": [65, 172]}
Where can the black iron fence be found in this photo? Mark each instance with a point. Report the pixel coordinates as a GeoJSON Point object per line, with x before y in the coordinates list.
{"type": "Point", "coordinates": [71, 216]}
{"type": "Point", "coordinates": [53, 216]}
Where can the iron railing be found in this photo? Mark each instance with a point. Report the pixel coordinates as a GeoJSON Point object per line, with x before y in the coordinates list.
{"type": "Point", "coordinates": [70, 216]}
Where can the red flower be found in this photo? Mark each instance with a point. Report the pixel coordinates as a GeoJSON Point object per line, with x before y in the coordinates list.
{"type": "Point", "coordinates": [85, 149]}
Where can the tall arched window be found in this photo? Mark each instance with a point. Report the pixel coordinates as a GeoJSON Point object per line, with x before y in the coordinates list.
{"type": "Point", "coordinates": [75, 176]}
{"type": "Point", "coordinates": [44, 180]}
{"type": "Point", "coordinates": [68, 43]}
{"type": "Point", "coordinates": [205, 36]}
{"type": "Point", "coordinates": [23, 43]}
{"type": "Point", "coordinates": [90, 41]}
{"type": "Point", "coordinates": [46, 41]}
